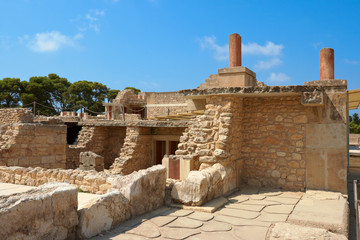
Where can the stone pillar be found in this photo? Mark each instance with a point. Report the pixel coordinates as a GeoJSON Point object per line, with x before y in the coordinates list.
{"type": "Point", "coordinates": [326, 59]}
{"type": "Point", "coordinates": [234, 50]}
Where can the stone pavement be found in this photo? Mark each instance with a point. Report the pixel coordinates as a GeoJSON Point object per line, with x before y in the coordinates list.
{"type": "Point", "coordinates": [249, 214]}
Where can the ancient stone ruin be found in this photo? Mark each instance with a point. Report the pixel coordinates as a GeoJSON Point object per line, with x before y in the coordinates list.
{"type": "Point", "coordinates": [207, 141]}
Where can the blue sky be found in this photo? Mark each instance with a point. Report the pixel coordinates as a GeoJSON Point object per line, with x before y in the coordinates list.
{"type": "Point", "coordinates": [168, 45]}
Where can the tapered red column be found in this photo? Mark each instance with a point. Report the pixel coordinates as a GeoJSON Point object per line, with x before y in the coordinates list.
{"type": "Point", "coordinates": [234, 50]}
{"type": "Point", "coordinates": [326, 60]}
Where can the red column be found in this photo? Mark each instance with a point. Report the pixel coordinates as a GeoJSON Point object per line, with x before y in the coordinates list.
{"type": "Point", "coordinates": [326, 60]}
{"type": "Point", "coordinates": [234, 50]}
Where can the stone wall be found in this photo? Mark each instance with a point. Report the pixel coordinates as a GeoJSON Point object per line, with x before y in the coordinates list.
{"type": "Point", "coordinates": [129, 196]}
{"type": "Point", "coordinates": [136, 152]}
{"type": "Point", "coordinates": [326, 149]}
{"type": "Point", "coordinates": [165, 103]}
{"type": "Point", "coordinates": [15, 115]}
{"type": "Point", "coordinates": [273, 139]}
{"type": "Point", "coordinates": [214, 137]}
{"type": "Point", "coordinates": [47, 212]}
{"type": "Point", "coordinates": [104, 141]}
{"type": "Point", "coordinates": [30, 144]}
{"type": "Point", "coordinates": [134, 195]}
{"type": "Point", "coordinates": [354, 139]}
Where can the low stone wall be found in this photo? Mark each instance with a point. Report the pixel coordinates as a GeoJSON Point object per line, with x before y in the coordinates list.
{"type": "Point", "coordinates": [354, 139]}
{"type": "Point", "coordinates": [15, 115]}
{"type": "Point", "coordinates": [202, 186]}
{"type": "Point", "coordinates": [33, 145]}
{"type": "Point", "coordinates": [47, 212]}
{"type": "Point", "coordinates": [87, 181]}
{"type": "Point", "coordinates": [132, 195]}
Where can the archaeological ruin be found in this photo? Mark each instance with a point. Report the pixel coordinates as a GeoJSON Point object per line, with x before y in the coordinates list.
{"type": "Point", "coordinates": [183, 148]}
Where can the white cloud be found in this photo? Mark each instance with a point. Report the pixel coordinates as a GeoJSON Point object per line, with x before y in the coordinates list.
{"type": "Point", "coordinates": [352, 62]}
{"type": "Point", "coordinates": [92, 19]}
{"type": "Point", "coordinates": [268, 64]}
{"type": "Point", "coordinates": [221, 53]}
{"type": "Point", "coordinates": [278, 77]}
{"type": "Point", "coordinates": [49, 41]}
{"type": "Point", "coordinates": [269, 49]}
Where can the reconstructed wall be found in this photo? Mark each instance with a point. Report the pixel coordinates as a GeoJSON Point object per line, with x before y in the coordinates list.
{"type": "Point", "coordinates": [165, 103]}
{"type": "Point", "coordinates": [134, 194]}
{"type": "Point", "coordinates": [48, 212]}
{"type": "Point", "coordinates": [273, 139]}
{"type": "Point", "coordinates": [33, 144]}
{"type": "Point", "coordinates": [15, 115]}
{"type": "Point", "coordinates": [326, 139]}
{"type": "Point", "coordinates": [214, 137]}
{"type": "Point", "coordinates": [136, 152]}
{"type": "Point", "coordinates": [104, 141]}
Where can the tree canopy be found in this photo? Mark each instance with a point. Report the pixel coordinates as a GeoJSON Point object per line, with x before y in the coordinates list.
{"type": "Point", "coordinates": [354, 123]}
{"type": "Point", "coordinates": [53, 94]}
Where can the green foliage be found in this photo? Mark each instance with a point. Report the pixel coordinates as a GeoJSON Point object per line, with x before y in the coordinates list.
{"type": "Point", "coordinates": [53, 93]}
{"type": "Point", "coordinates": [111, 95]}
{"type": "Point", "coordinates": [47, 91]}
{"type": "Point", "coordinates": [90, 95]}
{"type": "Point", "coordinates": [354, 123]}
{"type": "Point", "coordinates": [136, 90]}
{"type": "Point", "coordinates": [10, 92]}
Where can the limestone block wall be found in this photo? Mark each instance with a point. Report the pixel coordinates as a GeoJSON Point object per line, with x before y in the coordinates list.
{"type": "Point", "coordinates": [48, 212]}
{"type": "Point", "coordinates": [326, 140]}
{"type": "Point", "coordinates": [273, 140]}
{"type": "Point", "coordinates": [33, 144]}
{"type": "Point", "coordinates": [214, 137]}
{"type": "Point", "coordinates": [15, 115]}
{"type": "Point", "coordinates": [136, 151]}
{"type": "Point", "coordinates": [164, 103]}
{"type": "Point", "coordinates": [104, 141]}
{"type": "Point", "coordinates": [133, 195]}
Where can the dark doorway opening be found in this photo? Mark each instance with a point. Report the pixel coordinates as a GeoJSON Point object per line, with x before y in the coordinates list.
{"type": "Point", "coordinates": [160, 151]}
{"type": "Point", "coordinates": [72, 134]}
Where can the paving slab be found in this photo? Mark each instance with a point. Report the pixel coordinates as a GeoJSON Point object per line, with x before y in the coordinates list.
{"type": "Point", "coordinates": [185, 222]}
{"type": "Point", "coordinates": [241, 221]}
{"type": "Point", "coordinates": [280, 209]}
{"type": "Point", "coordinates": [215, 226]}
{"type": "Point", "coordinates": [270, 217]}
{"type": "Point", "coordinates": [251, 232]}
{"type": "Point", "coordinates": [283, 200]}
{"type": "Point", "coordinates": [161, 221]}
{"type": "Point", "coordinates": [178, 233]}
{"type": "Point", "coordinates": [270, 192]}
{"type": "Point", "coordinates": [201, 216]}
{"type": "Point", "coordinates": [284, 231]}
{"type": "Point", "coordinates": [253, 208]}
{"type": "Point", "coordinates": [146, 229]}
{"type": "Point", "coordinates": [238, 213]}
{"type": "Point", "coordinates": [177, 212]}
{"type": "Point", "coordinates": [317, 210]}
{"type": "Point", "coordinates": [264, 202]}
{"type": "Point", "coordinates": [213, 236]}
{"type": "Point", "coordinates": [296, 195]}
